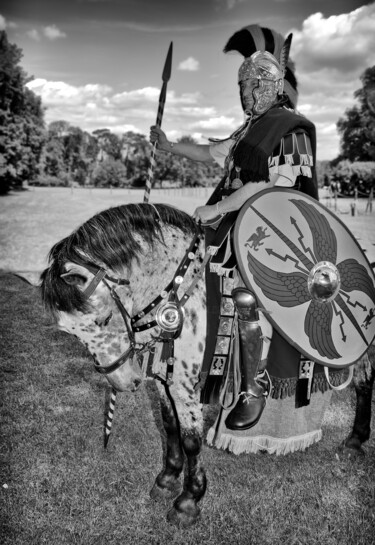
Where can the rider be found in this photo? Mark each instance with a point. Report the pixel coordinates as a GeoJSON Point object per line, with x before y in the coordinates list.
{"type": "Point", "coordinates": [275, 146]}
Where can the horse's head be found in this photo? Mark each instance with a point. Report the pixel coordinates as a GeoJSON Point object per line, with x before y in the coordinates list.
{"type": "Point", "coordinates": [142, 242]}
{"type": "Point", "coordinates": [96, 320]}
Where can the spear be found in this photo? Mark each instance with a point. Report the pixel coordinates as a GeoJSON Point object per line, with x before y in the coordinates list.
{"type": "Point", "coordinates": [111, 410]}
{"type": "Point", "coordinates": [165, 77]}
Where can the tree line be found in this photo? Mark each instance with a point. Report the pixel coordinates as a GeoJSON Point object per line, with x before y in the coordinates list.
{"type": "Point", "coordinates": [61, 154]}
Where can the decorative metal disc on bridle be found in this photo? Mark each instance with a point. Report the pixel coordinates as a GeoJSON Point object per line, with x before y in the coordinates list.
{"type": "Point", "coordinates": [308, 273]}
{"type": "Point", "coordinates": [169, 316]}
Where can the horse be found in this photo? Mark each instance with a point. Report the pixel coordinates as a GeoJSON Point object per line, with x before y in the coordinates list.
{"type": "Point", "coordinates": [129, 284]}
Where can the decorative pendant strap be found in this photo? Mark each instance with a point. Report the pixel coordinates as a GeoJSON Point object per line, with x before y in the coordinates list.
{"type": "Point", "coordinates": [173, 284]}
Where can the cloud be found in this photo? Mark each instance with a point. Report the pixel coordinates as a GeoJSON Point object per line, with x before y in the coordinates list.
{"type": "Point", "coordinates": [190, 65]}
{"type": "Point", "coordinates": [216, 124]}
{"type": "Point", "coordinates": [50, 32]}
{"type": "Point", "coordinates": [227, 4]}
{"type": "Point", "coordinates": [94, 106]}
{"type": "Point", "coordinates": [53, 33]}
{"type": "Point", "coordinates": [4, 23]}
{"type": "Point", "coordinates": [343, 42]}
{"type": "Point", "coordinates": [331, 53]}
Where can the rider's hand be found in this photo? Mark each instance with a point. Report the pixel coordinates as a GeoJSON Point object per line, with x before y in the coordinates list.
{"type": "Point", "coordinates": [158, 136]}
{"type": "Point", "coordinates": [203, 214]}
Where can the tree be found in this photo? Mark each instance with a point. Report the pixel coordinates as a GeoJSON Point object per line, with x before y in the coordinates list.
{"type": "Point", "coordinates": [135, 154]}
{"type": "Point", "coordinates": [109, 173]}
{"type": "Point", "coordinates": [109, 144]}
{"type": "Point", "coordinates": [68, 156]}
{"type": "Point", "coordinates": [21, 121]}
{"type": "Point", "coordinates": [357, 128]}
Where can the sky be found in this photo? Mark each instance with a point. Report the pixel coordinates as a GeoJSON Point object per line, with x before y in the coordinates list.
{"type": "Point", "coordinates": [98, 63]}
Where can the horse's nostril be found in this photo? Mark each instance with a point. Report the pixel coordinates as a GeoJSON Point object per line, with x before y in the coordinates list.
{"type": "Point", "coordinates": [137, 383]}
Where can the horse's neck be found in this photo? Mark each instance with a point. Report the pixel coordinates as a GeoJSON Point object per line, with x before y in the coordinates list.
{"type": "Point", "coordinates": [156, 266]}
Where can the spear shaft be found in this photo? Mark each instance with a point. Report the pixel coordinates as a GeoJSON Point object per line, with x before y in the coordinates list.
{"type": "Point", "coordinates": [111, 410]}
{"type": "Point", "coordinates": [163, 93]}
{"type": "Point", "coordinates": [165, 77]}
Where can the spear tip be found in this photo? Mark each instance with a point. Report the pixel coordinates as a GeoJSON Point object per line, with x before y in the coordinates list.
{"type": "Point", "coordinates": [168, 64]}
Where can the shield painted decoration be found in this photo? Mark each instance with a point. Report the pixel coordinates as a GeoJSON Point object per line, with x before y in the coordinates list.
{"type": "Point", "coordinates": [308, 273]}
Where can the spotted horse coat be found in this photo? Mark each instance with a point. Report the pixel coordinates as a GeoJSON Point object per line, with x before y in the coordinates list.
{"type": "Point", "coordinates": [143, 245]}
{"type": "Point", "coordinates": [130, 254]}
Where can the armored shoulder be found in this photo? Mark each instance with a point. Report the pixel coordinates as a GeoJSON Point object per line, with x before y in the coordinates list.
{"type": "Point", "coordinates": [294, 152]}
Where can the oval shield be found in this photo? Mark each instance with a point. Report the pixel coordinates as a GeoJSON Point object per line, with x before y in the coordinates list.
{"type": "Point", "coordinates": [308, 273]}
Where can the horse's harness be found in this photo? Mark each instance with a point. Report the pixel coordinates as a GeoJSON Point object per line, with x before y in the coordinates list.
{"type": "Point", "coordinates": [169, 315]}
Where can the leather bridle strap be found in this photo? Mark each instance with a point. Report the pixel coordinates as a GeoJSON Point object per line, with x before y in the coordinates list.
{"type": "Point", "coordinates": [94, 283]}
{"type": "Point", "coordinates": [100, 274]}
{"type": "Point", "coordinates": [179, 275]}
{"type": "Point", "coordinates": [116, 364]}
{"type": "Point", "coordinates": [124, 313]}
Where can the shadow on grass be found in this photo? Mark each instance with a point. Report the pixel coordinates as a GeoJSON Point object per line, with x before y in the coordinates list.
{"type": "Point", "coordinates": [62, 487]}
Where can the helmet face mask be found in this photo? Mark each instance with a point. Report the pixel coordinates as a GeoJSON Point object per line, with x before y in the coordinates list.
{"type": "Point", "coordinates": [261, 80]}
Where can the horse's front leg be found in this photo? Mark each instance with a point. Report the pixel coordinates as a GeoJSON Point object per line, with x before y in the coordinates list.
{"type": "Point", "coordinates": [364, 375]}
{"type": "Point", "coordinates": [167, 484]}
{"type": "Point", "coordinates": [185, 510]}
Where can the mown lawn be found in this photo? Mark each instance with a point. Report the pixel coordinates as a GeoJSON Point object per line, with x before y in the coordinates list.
{"type": "Point", "coordinates": [59, 486]}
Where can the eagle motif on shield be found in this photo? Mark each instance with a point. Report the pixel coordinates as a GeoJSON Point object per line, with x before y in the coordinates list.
{"type": "Point", "coordinates": [304, 276]}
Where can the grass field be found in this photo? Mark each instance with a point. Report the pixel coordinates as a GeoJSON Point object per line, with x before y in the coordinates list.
{"type": "Point", "coordinates": [59, 486]}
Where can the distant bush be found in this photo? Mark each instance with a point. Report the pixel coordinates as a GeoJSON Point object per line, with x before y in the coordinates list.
{"type": "Point", "coordinates": [48, 180]}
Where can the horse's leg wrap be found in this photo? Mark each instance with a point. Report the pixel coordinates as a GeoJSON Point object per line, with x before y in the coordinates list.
{"type": "Point", "coordinates": [253, 393]}
{"type": "Point", "coordinates": [167, 484]}
{"type": "Point", "coordinates": [185, 510]}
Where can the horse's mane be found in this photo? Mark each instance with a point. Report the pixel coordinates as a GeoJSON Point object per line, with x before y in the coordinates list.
{"type": "Point", "coordinates": [110, 238]}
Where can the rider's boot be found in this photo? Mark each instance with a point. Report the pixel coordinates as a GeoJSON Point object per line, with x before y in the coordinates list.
{"type": "Point", "coordinates": [255, 384]}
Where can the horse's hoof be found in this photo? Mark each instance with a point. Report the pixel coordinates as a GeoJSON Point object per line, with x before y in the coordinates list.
{"type": "Point", "coordinates": [158, 493]}
{"type": "Point", "coordinates": [184, 518]}
{"type": "Point", "coordinates": [351, 450]}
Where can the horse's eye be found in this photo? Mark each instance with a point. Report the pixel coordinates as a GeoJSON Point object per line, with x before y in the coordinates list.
{"type": "Point", "coordinates": [102, 322]}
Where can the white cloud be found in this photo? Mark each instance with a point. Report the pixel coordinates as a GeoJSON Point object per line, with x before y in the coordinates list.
{"type": "Point", "coordinates": [4, 23]}
{"type": "Point", "coordinates": [50, 32]}
{"type": "Point", "coordinates": [56, 93]}
{"type": "Point", "coordinates": [190, 64]}
{"type": "Point", "coordinates": [344, 42]}
{"type": "Point", "coordinates": [53, 33]}
{"type": "Point", "coordinates": [95, 106]}
{"type": "Point", "coordinates": [216, 124]}
{"type": "Point", "coordinates": [227, 4]}
{"type": "Point", "coordinates": [331, 53]}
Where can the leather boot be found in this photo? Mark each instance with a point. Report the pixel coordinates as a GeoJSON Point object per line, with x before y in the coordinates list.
{"type": "Point", "coordinates": [253, 392]}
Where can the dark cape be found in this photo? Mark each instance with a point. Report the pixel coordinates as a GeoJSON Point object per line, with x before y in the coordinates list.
{"type": "Point", "coordinates": [258, 143]}
{"type": "Point", "coordinates": [252, 154]}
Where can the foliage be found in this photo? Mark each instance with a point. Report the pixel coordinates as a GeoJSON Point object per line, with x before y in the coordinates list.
{"type": "Point", "coordinates": [49, 180]}
{"type": "Point", "coordinates": [109, 173]}
{"type": "Point", "coordinates": [358, 175]}
{"type": "Point", "coordinates": [21, 121]}
{"type": "Point", "coordinates": [135, 153]}
{"type": "Point", "coordinates": [69, 153]}
{"type": "Point", "coordinates": [357, 128]}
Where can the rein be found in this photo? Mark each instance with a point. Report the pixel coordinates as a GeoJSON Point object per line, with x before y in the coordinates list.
{"type": "Point", "coordinates": [169, 308]}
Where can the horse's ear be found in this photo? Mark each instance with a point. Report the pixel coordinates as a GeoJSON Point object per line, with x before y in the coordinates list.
{"type": "Point", "coordinates": [76, 275]}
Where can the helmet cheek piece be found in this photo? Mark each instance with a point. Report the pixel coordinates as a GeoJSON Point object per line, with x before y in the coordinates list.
{"type": "Point", "coordinates": [265, 96]}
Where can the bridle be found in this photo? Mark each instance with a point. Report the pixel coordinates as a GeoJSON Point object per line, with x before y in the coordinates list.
{"type": "Point", "coordinates": [169, 314]}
